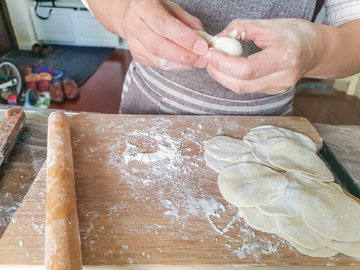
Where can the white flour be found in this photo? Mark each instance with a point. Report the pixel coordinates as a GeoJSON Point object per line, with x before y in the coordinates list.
{"type": "Point", "coordinates": [151, 159]}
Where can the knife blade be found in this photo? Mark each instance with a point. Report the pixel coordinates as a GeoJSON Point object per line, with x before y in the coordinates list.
{"type": "Point", "coordinates": [9, 132]}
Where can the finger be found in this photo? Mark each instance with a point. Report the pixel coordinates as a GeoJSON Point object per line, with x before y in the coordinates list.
{"type": "Point", "coordinates": [144, 57]}
{"type": "Point", "coordinates": [167, 26]}
{"type": "Point", "coordinates": [140, 53]}
{"type": "Point", "coordinates": [258, 31]}
{"type": "Point", "coordinates": [255, 66]}
{"type": "Point", "coordinates": [271, 84]}
{"type": "Point", "coordinates": [160, 46]}
{"type": "Point", "coordinates": [184, 17]}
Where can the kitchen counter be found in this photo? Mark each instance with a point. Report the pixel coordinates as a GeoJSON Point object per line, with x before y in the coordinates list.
{"type": "Point", "coordinates": [29, 154]}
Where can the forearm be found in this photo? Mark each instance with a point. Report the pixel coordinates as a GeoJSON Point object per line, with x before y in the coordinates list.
{"type": "Point", "coordinates": [337, 53]}
{"type": "Point", "coordinates": [108, 12]}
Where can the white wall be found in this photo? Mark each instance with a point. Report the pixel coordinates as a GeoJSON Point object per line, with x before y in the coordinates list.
{"type": "Point", "coordinates": [22, 22]}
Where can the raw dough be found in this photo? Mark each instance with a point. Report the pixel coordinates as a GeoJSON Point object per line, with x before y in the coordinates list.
{"type": "Point", "coordinates": [336, 187]}
{"type": "Point", "coordinates": [288, 203]}
{"type": "Point", "coordinates": [258, 135]}
{"type": "Point", "coordinates": [261, 152]}
{"type": "Point", "coordinates": [295, 229]}
{"type": "Point", "coordinates": [326, 176]}
{"type": "Point", "coordinates": [319, 252]}
{"type": "Point", "coordinates": [261, 134]}
{"type": "Point", "coordinates": [226, 148]}
{"type": "Point", "coordinates": [331, 214]}
{"type": "Point", "coordinates": [259, 221]}
{"type": "Point", "coordinates": [293, 157]}
{"type": "Point", "coordinates": [227, 45]}
{"type": "Point", "coordinates": [215, 164]}
{"type": "Point", "coordinates": [249, 184]}
{"type": "Point", "coordinates": [349, 249]}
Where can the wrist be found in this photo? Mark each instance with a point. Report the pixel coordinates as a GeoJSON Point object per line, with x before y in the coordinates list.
{"type": "Point", "coordinates": [110, 14]}
{"type": "Point", "coordinates": [328, 41]}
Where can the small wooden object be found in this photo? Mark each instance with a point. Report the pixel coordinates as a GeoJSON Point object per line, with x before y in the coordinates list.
{"type": "Point", "coordinates": [9, 131]}
{"type": "Point", "coordinates": [62, 241]}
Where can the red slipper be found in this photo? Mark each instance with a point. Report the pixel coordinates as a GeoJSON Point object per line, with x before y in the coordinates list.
{"type": "Point", "coordinates": [44, 81]}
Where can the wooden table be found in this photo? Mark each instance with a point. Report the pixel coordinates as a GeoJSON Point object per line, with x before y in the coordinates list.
{"type": "Point", "coordinates": [146, 197]}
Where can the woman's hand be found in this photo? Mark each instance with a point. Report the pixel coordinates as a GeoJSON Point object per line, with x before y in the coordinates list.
{"type": "Point", "coordinates": [288, 47]}
{"type": "Point", "coordinates": [159, 33]}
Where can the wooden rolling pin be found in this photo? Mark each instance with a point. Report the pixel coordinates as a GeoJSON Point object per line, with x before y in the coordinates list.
{"type": "Point", "coordinates": [62, 241]}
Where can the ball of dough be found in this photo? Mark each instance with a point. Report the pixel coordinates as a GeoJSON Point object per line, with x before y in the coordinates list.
{"type": "Point", "coordinates": [227, 45]}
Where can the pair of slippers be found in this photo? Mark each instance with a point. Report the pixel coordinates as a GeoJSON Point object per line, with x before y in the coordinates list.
{"type": "Point", "coordinates": [61, 90]}
{"type": "Point", "coordinates": [42, 49]}
{"type": "Point", "coordinates": [40, 82]}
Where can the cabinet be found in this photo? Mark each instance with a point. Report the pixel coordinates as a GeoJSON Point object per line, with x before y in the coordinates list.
{"type": "Point", "coordinates": [71, 25]}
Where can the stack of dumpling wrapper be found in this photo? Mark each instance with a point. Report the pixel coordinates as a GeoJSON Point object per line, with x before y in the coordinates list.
{"type": "Point", "coordinates": [282, 187]}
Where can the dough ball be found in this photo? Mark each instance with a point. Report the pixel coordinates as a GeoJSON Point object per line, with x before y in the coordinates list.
{"type": "Point", "coordinates": [331, 214]}
{"type": "Point", "coordinates": [230, 46]}
{"type": "Point", "coordinates": [250, 185]}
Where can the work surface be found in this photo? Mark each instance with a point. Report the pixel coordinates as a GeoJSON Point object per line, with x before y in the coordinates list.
{"type": "Point", "coordinates": [145, 196]}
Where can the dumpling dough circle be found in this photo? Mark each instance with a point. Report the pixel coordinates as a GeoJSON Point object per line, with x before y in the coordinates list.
{"type": "Point", "coordinates": [331, 214]}
{"type": "Point", "coordinates": [293, 157]}
{"type": "Point", "coordinates": [227, 45]}
{"type": "Point", "coordinates": [295, 229]}
{"type": "Point", "coordinates": [259, 221]}
{"type": "Point", "coordinates": [226, 148]}
{"type": "Point", "coordinates": [249, 184]}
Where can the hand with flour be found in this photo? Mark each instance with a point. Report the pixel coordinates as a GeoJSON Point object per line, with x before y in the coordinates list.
{"type": "Point", "coordinates": [288, 49]}
{"type": "Point", "coordinates": [159, 33]}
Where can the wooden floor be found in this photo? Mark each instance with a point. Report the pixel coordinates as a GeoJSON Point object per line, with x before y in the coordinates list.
{"type": "Point", "coordinates": [102, 93]}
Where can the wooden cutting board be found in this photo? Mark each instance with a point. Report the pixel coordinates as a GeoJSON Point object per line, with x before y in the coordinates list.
{"type": "Point", "coordinates": [145, 196]}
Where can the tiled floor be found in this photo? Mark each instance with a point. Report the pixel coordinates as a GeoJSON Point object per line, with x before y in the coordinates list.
{"type": "Point", "coordinates": [102, 93]}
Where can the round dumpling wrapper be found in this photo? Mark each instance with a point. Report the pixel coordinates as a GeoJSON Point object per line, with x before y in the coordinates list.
{"type": "Point", "coordinates": [331, 214]}
{"type": "Point", "coordinates": [226, 148]}
{"type": "Point", "coordinates": [250, 185]}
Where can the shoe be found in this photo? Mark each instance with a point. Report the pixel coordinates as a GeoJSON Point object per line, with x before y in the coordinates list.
{"type": "Point", "coordinates": [71, 89]}
{"type": "Point", "coordinates": [25, 71]}
{"type": "Point", "coordinates": [31, 98]}
{"type": "Point", "coordinates": [56, 74]}
{"type": "Point", "coordinates": [44, 82]}
{"type": "Point", "coordinates": [45, 50]}
{"type": "Point", "coordinates": [37, 68]}
{"type": "Point", "coordinates": [56, 91]}
{"type": "Point", "coordinates": [32, 81]}
{"type": "Point", "coordinates": [36, 49]}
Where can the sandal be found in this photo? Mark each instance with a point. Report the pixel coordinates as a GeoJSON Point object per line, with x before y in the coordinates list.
{"type": "Point", "coordinates": [56, 91]}
{"type": "Point", "coordinates": [71, 89]}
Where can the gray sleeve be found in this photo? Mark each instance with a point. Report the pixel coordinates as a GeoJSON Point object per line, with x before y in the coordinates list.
{"type": "Point", "coordinates": [85, 3]}
{"type": "Point", "coordinates": [341, 11]}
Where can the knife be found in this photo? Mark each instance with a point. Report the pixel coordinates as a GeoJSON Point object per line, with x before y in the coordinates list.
{"type": "Point", "coordinates": [9, 132]}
